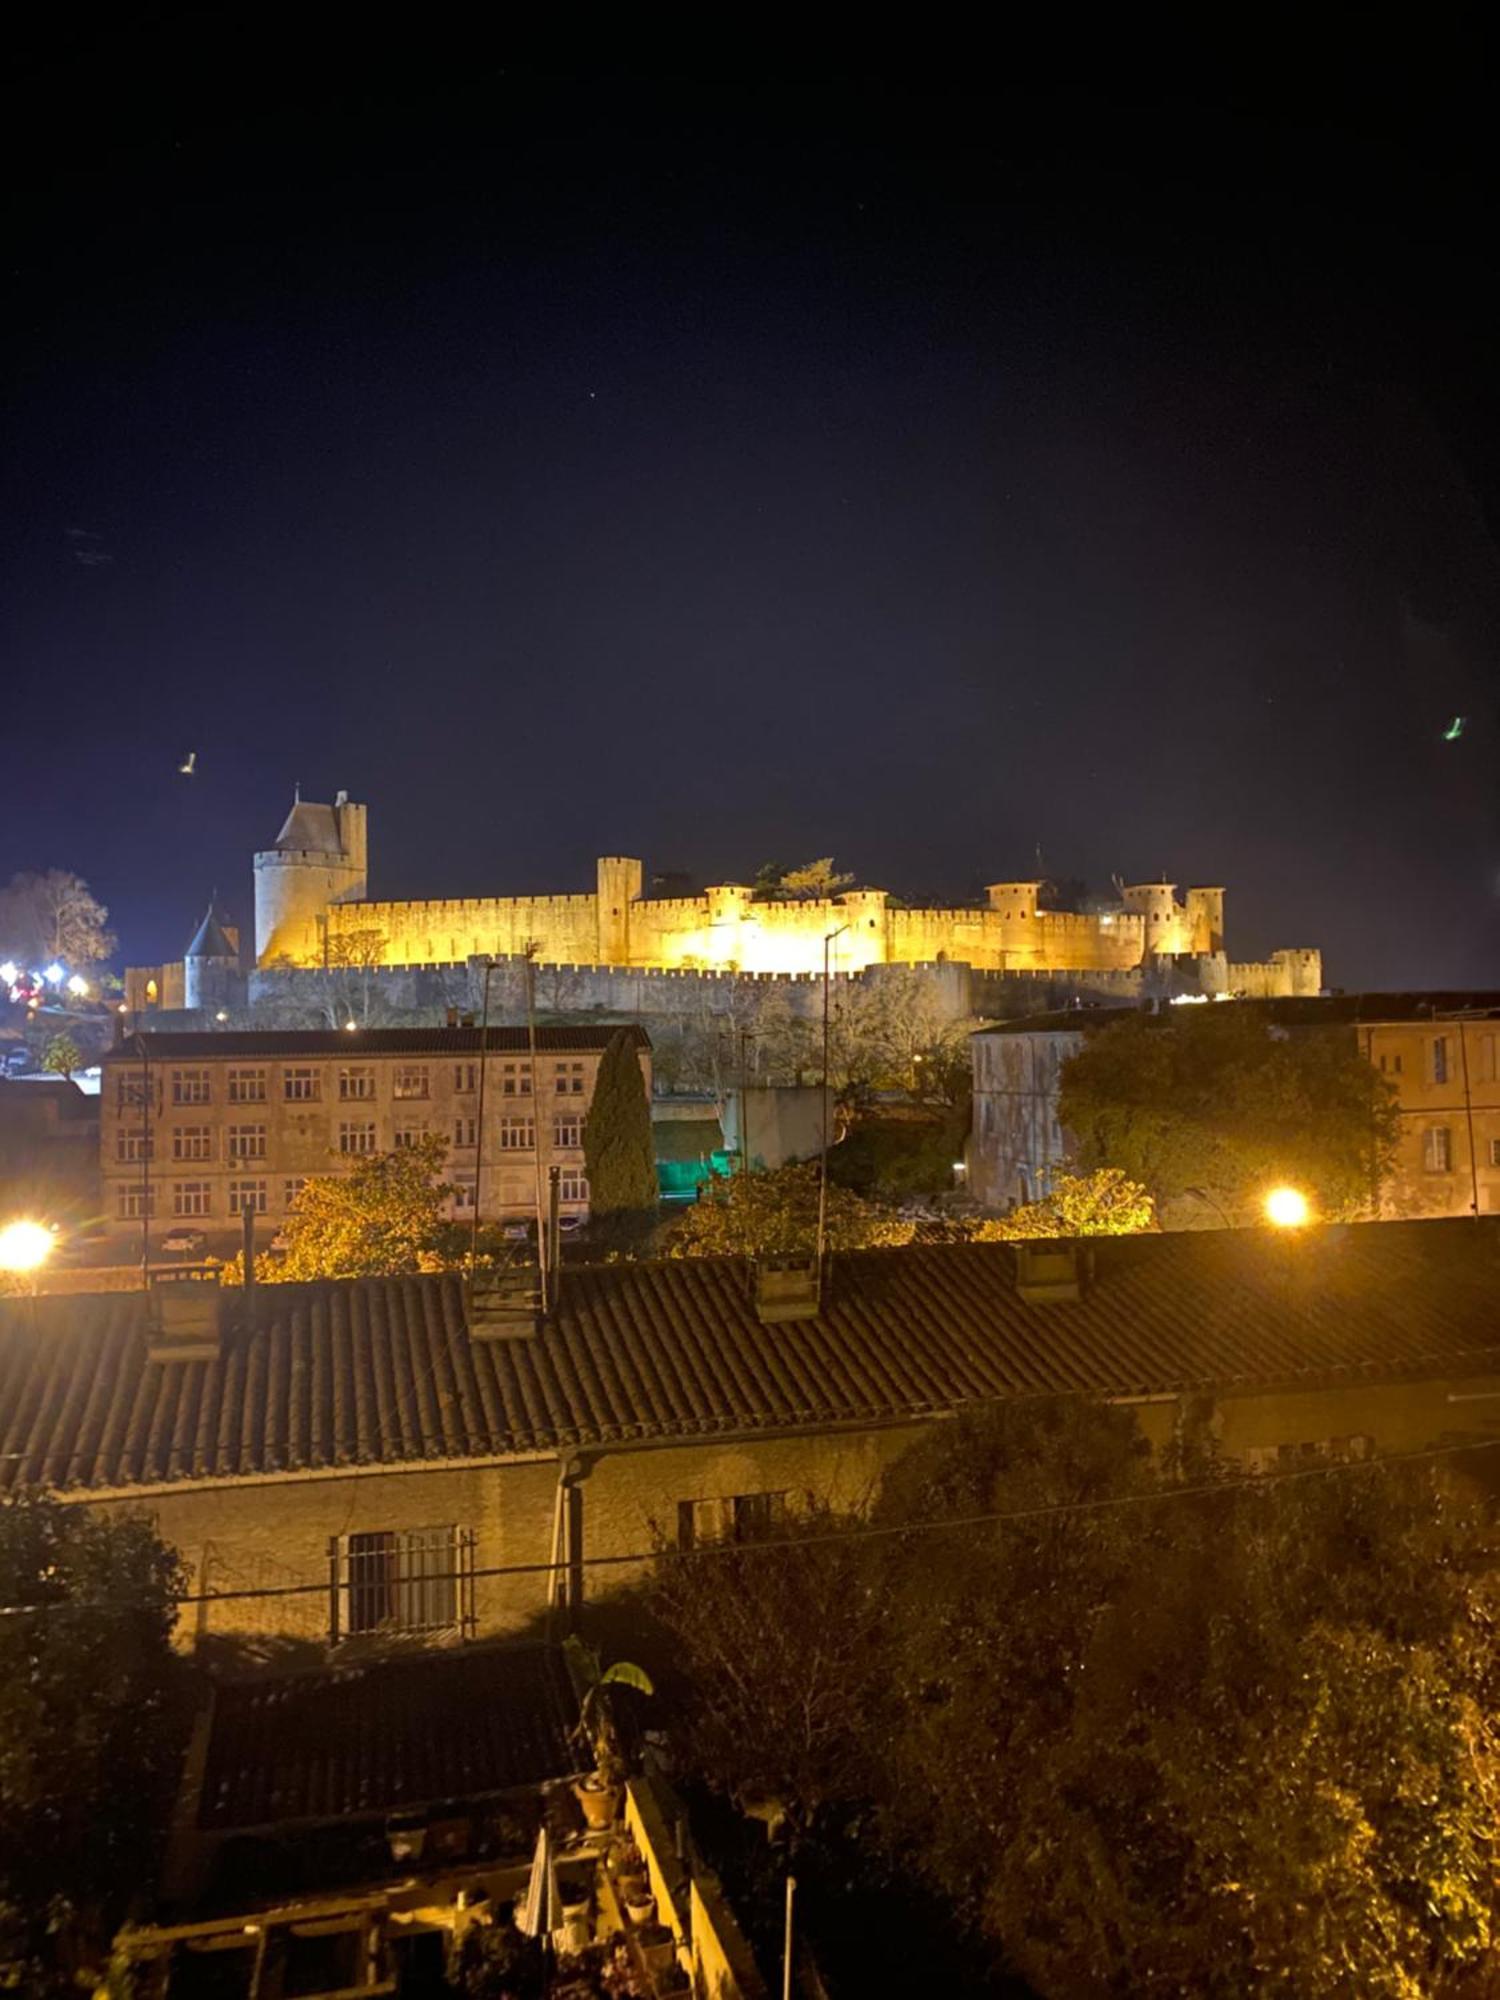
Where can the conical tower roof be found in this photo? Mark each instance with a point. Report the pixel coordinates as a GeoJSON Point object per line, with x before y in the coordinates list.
{"type": "Point", "coordinates": [209, 940]}
{"type": "Point", "coordinates": [310, 829]}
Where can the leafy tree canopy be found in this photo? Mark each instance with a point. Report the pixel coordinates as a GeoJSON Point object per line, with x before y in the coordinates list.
{"type": "Point", "coordinates": [93, 1713]}
{"type": "Point", "coordinates": [383, 1218]}
{"type": "Point", "coordinates": [1219, 1102]}
{"type": "Point", "coordinates": [53, 915]}
{"type": "Point", "coordinates": [1103, 1203]}
{"type": "Point", "coordinates": [753, 1214]}
{"type": "Point", "coordinates": [814, 882]}
{"type": "Point", "coordinates": [63, 1056]}
{"type": "Point", "coordinates": [618, 1148]}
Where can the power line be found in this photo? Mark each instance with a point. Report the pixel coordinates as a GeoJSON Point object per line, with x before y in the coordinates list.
{"type": "Point", "coordinates": [1259, 1482]}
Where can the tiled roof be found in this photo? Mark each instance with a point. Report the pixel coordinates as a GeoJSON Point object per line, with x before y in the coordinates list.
{"type": "Point", "coordinates": [375, 1371]}
{"type": "Point", "coordinates": [310, 829]}
{"type": "Point", "coordinates": [272, 1044]}
{"type": "Point", "coordinates": [351, 1740]}
{"type": "Point", "coordinates": [209, 940]}
{"type": "Point", "coordinates": [1326, 1010]}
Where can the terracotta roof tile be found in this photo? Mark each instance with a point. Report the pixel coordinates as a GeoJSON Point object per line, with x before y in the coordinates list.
{"type": "Point", "coordinates": [383, 1371]}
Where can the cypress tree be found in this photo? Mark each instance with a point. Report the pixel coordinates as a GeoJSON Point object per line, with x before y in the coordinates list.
{"type": "Point", "coordinates": [617, 1143]}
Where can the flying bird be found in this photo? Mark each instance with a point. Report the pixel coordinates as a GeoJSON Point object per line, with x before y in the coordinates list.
{"type": "Point", "coordinates": [1455, 728]}
{"type": "Point", "coordinates": [187, 769]}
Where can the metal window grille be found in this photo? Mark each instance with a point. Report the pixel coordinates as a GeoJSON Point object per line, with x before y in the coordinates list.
{"type": "Point", "coordinates": [402, 1582]}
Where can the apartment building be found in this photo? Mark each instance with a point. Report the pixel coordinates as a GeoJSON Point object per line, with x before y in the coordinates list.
{"type": "Point", "coordinates": [1440, 1052]}
{"type": "Point", "coordinates": [197, 1128]}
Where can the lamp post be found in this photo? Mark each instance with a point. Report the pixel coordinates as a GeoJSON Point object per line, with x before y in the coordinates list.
{"type": "Point", "coordinates": [484, 1038]}
{"type": "Point", "coordinates": [823, 1175]}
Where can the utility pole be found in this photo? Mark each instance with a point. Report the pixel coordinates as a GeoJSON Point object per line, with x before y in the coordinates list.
{"type": "Point", "coordinates": [146, 1143]}
{"type": "Point", "coordinates": [484, 1045]}
{"type": "Point", "coordinates": [536, 1124]}
{"type": "Point", "coordinates": [823, 1175]}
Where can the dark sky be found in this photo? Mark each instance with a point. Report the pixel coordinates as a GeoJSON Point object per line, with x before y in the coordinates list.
{"type": "Point", "coordinates": [718, 470]}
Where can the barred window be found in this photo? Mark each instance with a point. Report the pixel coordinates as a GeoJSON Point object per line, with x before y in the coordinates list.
{"type": "Point", "coordinates": [192, 1197]}
{"type": "Point", "coordinates": [247, 1142]}
{"type": "Point", "coordinates": [247, 1086]}
{"type": "Point", "coordinates": [190, 1086]}
{"type": "Point", "coordinates": [192, 1142]}
{"type": "Point", "coordinates": [356, 1081]}
{"type": "Point", "coordinates": [247, 1194]}
{"type": "Point", "coordinates": [395, 1581]}
{"type": "Point", "coordinates": [301, 1086]}
{"type": "Point", "coordinates": [356, 1138]}
{"type": "Point", "coordinates": [410, 1080]}
{"type": "Point", "coordinates": [517, 1135]}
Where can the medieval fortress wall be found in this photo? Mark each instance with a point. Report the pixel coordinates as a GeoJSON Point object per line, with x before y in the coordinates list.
{"type": "Point", "coordinates": [312, 911]}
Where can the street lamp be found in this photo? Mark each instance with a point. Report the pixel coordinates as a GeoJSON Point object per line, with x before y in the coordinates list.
{"type": "Point", "coordinates": [1287, 1208]}
{"type": "Point", "coordinates": [24, 1246]}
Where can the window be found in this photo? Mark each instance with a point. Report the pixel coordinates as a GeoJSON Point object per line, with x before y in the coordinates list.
{"type": "Point", "coordinates": [515, 1079]}
{"type": "Point", "coordinates": [408, 1135]}
{"type": "Point", "coordinates": [572, 1184]}
{"type": "Point", "coordinates": [247, 1142]}
{"type": "Point", "coordinates": [465, 1132]}
{"type": "Point", "coordinates": [355, 1138]}
{"type": "Point", "coordinates": [570, 1079]}
{"type": "Point", "coordinates": [1287, 1457]}
{"type": "Point", "coordinates": [247, 1086]}
{"type": "Point", "coordinates": [192, 1142]}
{"type": "Point", "coordinates": [567, 1130]}
{"type": "Point", "coordinates": [463, 1191]}
{"type": "Point", "coordinates": [190, 1086]}
{"type": "Point", "coordinates": [1485, 1056]}
{"type": "Point", "coordinates": [355, 1082]}
{"type": "Point", "coordinates": [247, 1194]}
{"type": "Point", "coordinates": [466, 1078]}
{"type": "Point", "coordinates": [131, 1143]}
{"type": "Point", "coordinates": [403, 1581]}
{"type": "Point", "coordinates": [130, 1090]}
{"type": "Point", "coordinates": [1439, 1059]}
{"type": "Point", "coordinates": [1437, 1149]}
{"type": "Point", "coordinates": [411, 1080]}
{"type": "Point", "coordinates": [191, 1198]}
{"type": "Point", "coordinates": [301, 1086]}
{"type": "Point", "coordinates": [132, 1202]}
{"type": "Point", "coordinates": [517, 1135]}
{"type": "Point", "coordinates": [1394, 1062]}
{"type": "Point", "coordinates": [744, 1517]}
{"type": "Point", "coordinates": [292, 1187]}
{"type": "Point", "coordinates": [1495, 1152]}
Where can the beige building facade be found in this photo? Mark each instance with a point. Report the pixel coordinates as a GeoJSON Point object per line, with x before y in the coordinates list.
{"type": "Point", "coordinates": [1440, 1053]}
{"type": "Point", "coordinates": [196, 1128]}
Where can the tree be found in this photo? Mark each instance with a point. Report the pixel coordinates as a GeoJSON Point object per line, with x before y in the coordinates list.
{"type": "Point", "coordinates": [381, 1220]}
{"type": "Point", "coordinates": [53, 915]}
{"type": "Point", "coordinates": [93, 1712]}
{"type": "Point", "coordinates": [618, 1149]}
{"type": "Point", "coordinates": [1103, 1203]}
{"type": "Point", "coordinates": [1221, 1103]}
{"type": "Point", "coordinates": [63, 1056]}
{"type": "Point", "coordinates": [758, 1214]}
{"type": "Point", "coordinates": [354, 994]}
{"type": "Point", "coordinates": [814, 882]}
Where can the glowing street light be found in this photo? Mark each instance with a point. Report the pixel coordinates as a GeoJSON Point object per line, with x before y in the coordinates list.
{"type": "Point", "coordinates": [1287, 1208]}
{"type": "Point", "coordinates": [55, 974]}
{"type": "Point", "coordinates": [78, 986]}
{"type": "Point", "coordinates": [24, 1246]}
{"type": "Point", "coordinates": [10, 972]}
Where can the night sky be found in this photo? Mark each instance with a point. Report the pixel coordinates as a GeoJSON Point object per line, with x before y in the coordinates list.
{"type": "Point", "coordinates": [723, 471]}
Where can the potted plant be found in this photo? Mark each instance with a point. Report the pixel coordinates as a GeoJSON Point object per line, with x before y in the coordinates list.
{"type": "Point", "coordinates": [640, 1908]}
{"type": "Point", "coordinates": [630, 1870]}
{"type": "Point", "coordinates": [658, 1949]}
{"type": "Point", "coordinates": [599, 1792]}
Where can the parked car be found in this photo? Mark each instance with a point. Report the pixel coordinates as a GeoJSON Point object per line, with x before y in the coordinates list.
{"type": "Point", "coordinates": [18, 1061]}
{"type": "Point", "coordinates": [183, 1239]}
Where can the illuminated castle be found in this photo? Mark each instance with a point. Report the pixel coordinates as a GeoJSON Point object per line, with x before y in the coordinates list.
{"type": "Point", "coordinates": [312, 910]}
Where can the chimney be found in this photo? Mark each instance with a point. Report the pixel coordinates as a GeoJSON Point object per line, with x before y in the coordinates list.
{"type": "Point", "coordinates": [184, 1315]}
{"type": "Point", "coordinates": [785, 1286]}
{"type": "Point", "coordinates": [1052, 1270]}
{"type": "Point", "coordinates": [504, 1304]}
{"type": "Point", "coordinates": [450, 1020]}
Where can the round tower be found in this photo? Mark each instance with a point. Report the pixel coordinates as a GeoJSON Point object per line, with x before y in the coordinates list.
{"type": "Point", "coordinates": [1153, 903]}
{"type": "Point", "coordinates": [210, 967]}
{"type": "Point", "coordinates": [319, 859]}
{"type": "Point", "coordinates": [619, 885]}
{"type": "Point", "coordinates": [1205, 916]}
{"type": "Point", "coordinates": [1014, 899]}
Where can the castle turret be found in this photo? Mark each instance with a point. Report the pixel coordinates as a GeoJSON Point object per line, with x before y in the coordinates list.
{"type": "Point", "coordinates": [320, 858]}
{"type": "Point", "coordinates": [620, 879]}
{"type": "Point", "coordinates": [1155, 904]}
{"type": "Point", "coordinates": [211, 966]}
{"type": "Point", "coordinates": [1205, 916]}
{"type": "Point", "coordinates": [1014, 899]}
